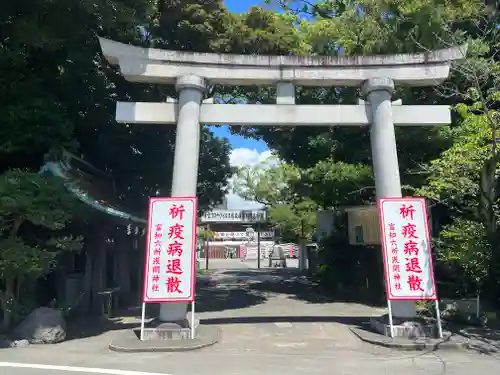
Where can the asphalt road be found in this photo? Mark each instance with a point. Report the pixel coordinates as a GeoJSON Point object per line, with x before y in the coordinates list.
{"type": "Point", "coordinates": [24, 371]}
{"type": "Point", "coordinates": [12, 368]}
{"type": "Point", "coordinates": [271, 323]}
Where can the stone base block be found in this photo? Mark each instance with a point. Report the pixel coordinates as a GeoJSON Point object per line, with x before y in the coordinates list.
{"type": "Point", "coordinates": [402, 343]}
{"type": "Point", "coordinates": [411, 329]}
{"type": "Point", "coordinates": [165, 339]}
{"type": "Point", "coordinates": [157, 330]}
{"type": "Point", "coordinates": [167, 332]}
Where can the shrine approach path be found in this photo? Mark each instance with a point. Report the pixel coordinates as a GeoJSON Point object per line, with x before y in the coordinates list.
{"type": "Point", "coordinates": [273, 321]}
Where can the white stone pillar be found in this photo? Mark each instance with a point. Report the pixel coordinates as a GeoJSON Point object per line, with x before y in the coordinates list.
{"type": "Point", "coordinates": [302, 254]}
{"type": "Point", "coordinates": [186, 158]}
{"type": "Point", "coordinates": [379, 91]}
{"type": "Point", "coordinates": [285, 93]}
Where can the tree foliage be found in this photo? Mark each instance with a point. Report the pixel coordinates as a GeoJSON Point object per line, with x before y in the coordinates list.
{"type": "Point", "coordinates": [32, 203]}
{"type": "Point", "coordinates": [454, 180]}
{"type": "Point", "coordinates": [272, 183]}
{"type": "Point", "coordinates": [268, 182]}
{"type": "Point", "coordinates": [58, 92]}
{"type": "Point", "coordinates": [59, 81]}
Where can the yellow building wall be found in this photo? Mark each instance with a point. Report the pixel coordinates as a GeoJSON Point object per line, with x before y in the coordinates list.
{"type": "Point", "coordinates": [363, 225]}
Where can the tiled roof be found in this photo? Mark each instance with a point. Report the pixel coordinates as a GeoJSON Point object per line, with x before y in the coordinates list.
{"type": "Point", "coordinates": [91, 186]}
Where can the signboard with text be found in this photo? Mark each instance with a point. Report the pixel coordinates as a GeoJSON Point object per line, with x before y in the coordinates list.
{"type": "Point", "coordinates": [242, 235]}
{"type": "Point", "coordinates": [170, 269]}
{"type": "Point", "coordinates": [409, 273]}
{"type": "Point", "coordinates": [234, 216]}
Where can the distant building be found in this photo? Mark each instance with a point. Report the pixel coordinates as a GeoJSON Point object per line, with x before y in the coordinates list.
{"type": "Point", "coordinates": [235, 229]}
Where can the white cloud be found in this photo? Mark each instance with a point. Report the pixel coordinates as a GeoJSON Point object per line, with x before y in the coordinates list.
{"type": "Point", "coordinates": [240, 157]}
{"type": "Point", "coordinates": [238, 203]}
{"type": "Point", "coordinates": [245, 156]}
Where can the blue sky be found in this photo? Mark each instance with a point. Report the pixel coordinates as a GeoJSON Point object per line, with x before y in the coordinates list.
{"type": "Point", "coordinates": [237, 141]}
{"type": "Point", "coordinates": [240, 6]}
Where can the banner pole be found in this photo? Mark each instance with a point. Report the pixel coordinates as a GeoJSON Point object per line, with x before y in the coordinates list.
{"type": "Point", "coordinates": [193, 323]}
{"type": "Point", "coordinates": [391, 326]}
{"type": "Point", "coordinates": [143, 317]}
{"type": "Point", "coordinates": [438, 318]}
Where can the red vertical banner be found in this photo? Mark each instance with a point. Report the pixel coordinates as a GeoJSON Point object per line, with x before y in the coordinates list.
{"type": "Point", "coordinates": [170, 268]}
{"type": "Point", "coordinates": [409, 272]}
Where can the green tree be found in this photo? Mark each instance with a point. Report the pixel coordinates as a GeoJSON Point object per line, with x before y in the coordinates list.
{"type": "Point", "coordinates": [464, 179]}
{"type": "Point", "coordinates": [332, 184]}
{"type": "Point", "coordinates": [271, 183]}
{"type": "Point", "coordinates": [296, 219]}
{"type": "Point", "coordinates": [35, 212]}
{"type": "Point", "coordinates": [207, 26]}
{"type": "Point", "coordinates": [60, 92]}
{"type": "Point", "coordinates": [205, 235]}
{"type": "Point", "coordinates": [57, 83]}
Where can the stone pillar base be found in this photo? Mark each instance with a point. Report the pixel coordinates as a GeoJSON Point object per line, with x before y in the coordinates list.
{"type": "Point", "coordinates": [175, 330]}
{"type": "Point", "coordinates": [405, 327]}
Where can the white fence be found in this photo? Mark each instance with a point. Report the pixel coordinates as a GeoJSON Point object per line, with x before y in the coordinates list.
{"type": "Point", "coordinates": [291, 250]}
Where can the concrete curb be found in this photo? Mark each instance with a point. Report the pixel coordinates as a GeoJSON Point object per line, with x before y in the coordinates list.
{"type": "Point", "coordinates": [478, 344]}
{"type": "Point", "coordinates": [406, 344]}
{"type": "Point", "coordinates": [127, 342]}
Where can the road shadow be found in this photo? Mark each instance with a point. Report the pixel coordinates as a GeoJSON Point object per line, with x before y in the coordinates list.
{"type": "Point", "coordinates": [209, 297]}
{"type": "Point", "coordinates": [227, 297]}
{"type": "Point", "coordinates": [298, 285]}
{"type": "Point", "coordinates": [347, 320]}
{"type": "Point", "coordinates": [79, 327]}
{"type": "Point", "coordinates": [230, 290]}
{"type": "Point", "coordinates": [250, 272]}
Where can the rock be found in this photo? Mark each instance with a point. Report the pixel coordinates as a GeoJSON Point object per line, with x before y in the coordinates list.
{"type": "Point", "coordinates": [19, 343]}
{"type": "Point", "coordinates": [4, 343]}
{"type": "Point", "coordinates": [43, 326]}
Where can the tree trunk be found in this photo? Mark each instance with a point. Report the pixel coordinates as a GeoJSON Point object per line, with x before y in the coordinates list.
{"type": "Point", "coordinates": [487, 199]}
{"type": "Point", "coordinates": [94, 244]}
{"type": "Point", "coordinates": [492, 283]}
{"type": "Point", "coordinates": [122, 259]}
{"type": "Point", "coordinates": [99, 276]}
{"type": "Point", "coordinates": [6, 299]}
{"type": "Point", "coordinates": [87, 281]}
{"type": "Point", "coordinates": [9, 295]}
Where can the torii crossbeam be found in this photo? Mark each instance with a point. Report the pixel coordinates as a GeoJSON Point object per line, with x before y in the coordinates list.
{"type": "Point", "coordinates": [282, 114]}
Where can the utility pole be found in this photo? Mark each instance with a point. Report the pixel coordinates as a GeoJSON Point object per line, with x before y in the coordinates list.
{"type": "Point", "coordinates": [207, 246]}
{"type": "Point", "coordinates": [258, 245]}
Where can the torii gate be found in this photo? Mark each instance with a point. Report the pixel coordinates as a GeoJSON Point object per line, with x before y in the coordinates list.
{"type": "Point", "coordinates": [191, 72]}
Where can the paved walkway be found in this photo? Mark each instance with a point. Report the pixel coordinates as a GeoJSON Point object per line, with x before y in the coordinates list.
{"type": "Point", "coordinates": [273, 322]}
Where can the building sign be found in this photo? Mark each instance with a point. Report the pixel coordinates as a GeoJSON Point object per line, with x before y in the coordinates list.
{"type": "Point", "coordinates": [324, 224]}
{"type": "Point", "coordinates": [409, 273]}
{"type": "Point", "coordinates": [170, 250]}
{"type": "Point", "coordinates": [234, 216]}
{"type": "Point", "coordinates": [242, 235]}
